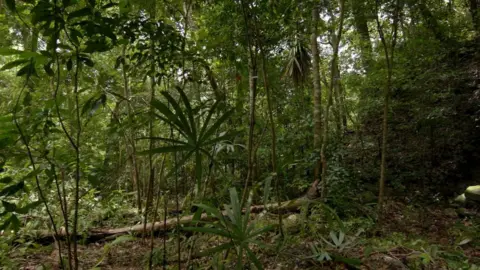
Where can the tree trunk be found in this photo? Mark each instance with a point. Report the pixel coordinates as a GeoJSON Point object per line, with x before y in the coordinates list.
{"type": "Point", "coordinates": [342, 109]}
{"type": "Point", "coordinates": [99, 234]}
{"type": "Point", "coordinates": [336, 45]}
{"type": "Point", "coordinates": [361, 25]}
{"type": "Point", "coordinates": [317, 101]}
{"type": "Point", "coordinates": [252, 74]}
{"type": "Point", "coordinates": [131, 146]}
{"type": "Point", "coordinates": [275, 177]}
{"type": "Point", "coordinates": [389, 53]}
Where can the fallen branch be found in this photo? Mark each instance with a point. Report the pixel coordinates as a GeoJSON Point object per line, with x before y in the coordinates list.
{"type": "Point", "coordinates": [97, 234]}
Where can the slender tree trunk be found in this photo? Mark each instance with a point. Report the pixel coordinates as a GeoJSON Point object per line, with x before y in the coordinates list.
{"type": "Point", "coordinates": [317, 101]}
{"type": "Point", "coordinates": [275, 177]}
{"type": "Point", "coordinates": [336, 45]}
{"type": "Point", "coordinates": [41, 195]}
{"type": "Point", "coordinates": [389, 62]}
{"type": "Point", "coordinates": [340, 99]}
{"type": "Point", "coordinates": [131, 146]}
{"type": "Point", "coordinates": [337, 108]}
{"type": "Point", "coordinates": [151, 167]}
{"type": "Point", "coordinates": [252, 74]}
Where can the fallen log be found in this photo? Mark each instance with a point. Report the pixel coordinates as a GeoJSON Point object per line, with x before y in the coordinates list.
{"type": "Point", "coordinates": [97, 234]}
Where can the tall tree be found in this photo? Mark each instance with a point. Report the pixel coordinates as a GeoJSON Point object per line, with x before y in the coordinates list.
{"type": "Point", "coordinates": [317, 100]}
{"type": "Point", "coordinates": [389, 50]}
{"type": "Point", "coordinates": [336, 38]}
{"type": "Point", "coordinates": [252, 78]}
{"type": "Point", "coordinates": [360, 18]}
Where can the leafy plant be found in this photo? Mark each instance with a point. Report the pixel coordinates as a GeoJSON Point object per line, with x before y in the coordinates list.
{"type": "Point", "coordinates": [196, 137]}
{"type": "Point", "coordinates": [335, 247]}
{"type": "Point", "coordinates": [319, 254]}
{"type": "Point", "coordinates": [106, 249]}
{"type": "Point", "coordinates": [236, 227]}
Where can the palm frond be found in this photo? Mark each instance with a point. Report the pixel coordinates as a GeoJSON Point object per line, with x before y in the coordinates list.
{"type": "Point", "coordinates": [298, 66]}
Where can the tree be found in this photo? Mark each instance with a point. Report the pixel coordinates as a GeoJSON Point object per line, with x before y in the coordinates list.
{"type": "Point", "coordinates": [317, 99]}
{"type": "Point", "coordinates": [389, 54]}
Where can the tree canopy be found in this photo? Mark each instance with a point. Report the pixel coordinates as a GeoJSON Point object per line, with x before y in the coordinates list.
{"type": "Point", "coordinates": [212, 121]}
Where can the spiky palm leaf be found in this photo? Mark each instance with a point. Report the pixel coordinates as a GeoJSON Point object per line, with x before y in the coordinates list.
{"type": "Point", "coordinates": [234, 225]}
{"type": "Point", "coordinates": [298, 65]}
{"type": "Point", "coordinates": [195, 137]}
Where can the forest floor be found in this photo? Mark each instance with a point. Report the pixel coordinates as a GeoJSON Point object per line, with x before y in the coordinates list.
{"type": "Point", "coordinates": [429, 237]}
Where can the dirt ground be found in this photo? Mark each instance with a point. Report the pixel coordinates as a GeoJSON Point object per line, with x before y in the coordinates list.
{"type": "Point", "coordinates": [432, 223]}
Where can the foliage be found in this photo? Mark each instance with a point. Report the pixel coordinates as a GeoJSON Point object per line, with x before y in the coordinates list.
{"type": "Point", "coordinates": [110, 106]}
{"type": "Point", "coordinates": [118, 241]}
{"type": "Point", "coordinates": [197, 137]}
{"type": "Point", "coordinates": [236, 227]}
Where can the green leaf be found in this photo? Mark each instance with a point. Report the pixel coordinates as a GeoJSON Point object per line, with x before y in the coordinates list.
{"type": "Point", "coordinates": [13, 64]}
{"type": "Point", "coordinates": [334, 238]}
{"type": "Point", "coordinates": [354, 262]}
{"type": "Point", "coordinates": [9, 207]}
{"type": "Point", "coordinates": [175, 126]}
{"type": "Point", "coordinates": [87, 61]}
{"type": "Point", "coordinates": [261, 231]}
{"type": "Point", "coordinates": [465, 241]}
{"type": "Point", "coordinates": [25, 70]}
{"type": "Point", "coordinates": [32, 174]}
{"type": "Point", "coordinates": [124, 6]}
{"type": "Point", "coordinates": [119, 61]}
{"type": "Point", "coordinates": [215, 126]}
{"type": "Point", "coordinates": [11, 5]}
{"type": "Point", "coordinates": [198, 169]}
{"type": "Point", "coordinates": [335, 216]}
{"type": "Point", "coordinates": [197, 215]}
{"type": "Point", "coordinates": [8, 51]}
{"type": "Point", "coordinates": [6, 224]}
{"type": "Point", "coordinates": [28, 207]}
{"type": "Point", "coordinates": [48, 69]}
{"type": "Point", "coordinates": [235, 204]}
{"type": "Point", "coordinates": [341, 237]}
{"type": "Point", "coordinates": [254, 259]}
{"type": "Point", "coordinates": [368, 251]}
{"type": "Point", "coordinates": [266, 189]}
{"type": "Point", "coordinates": [220, 139]}
{"type": "Point", "coordinates": [189, 110]}
{"type": "Point", "coordinates": [210, 210]}
{"type": "Point", "coordinates": [207, 120]}
{"type": "Point", "coordinates": [109, 5]}
{"type": "Point", "coordinates": [80, 13]}
{"type": "Point", "coordinates": [10, 190]}
{"type": "Point", "coordinates": [123, 239]}
{"type": "Point", "coordinates": [15, 223]}
{"type": "Point", "coordinates": [179, 113]}
{"type": "Point", "coordinates": [27, 100]}
{"type": "Point", "coordinates": [171, 116]}
{"type": "Point", "coordinates": [69, 64]}
{"type": "Point", "coordinates": [6, 180]}
{"type": "Point", "coordinates": [66, 3]}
